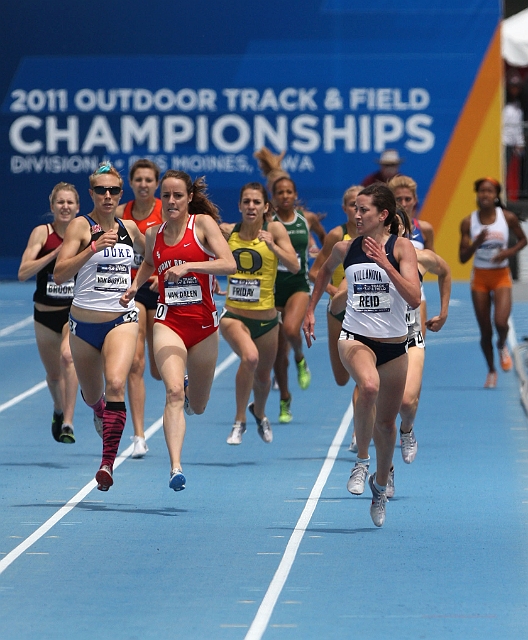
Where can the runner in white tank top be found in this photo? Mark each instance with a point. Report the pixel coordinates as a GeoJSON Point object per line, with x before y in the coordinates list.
{"type": "Point", "coordinates": [484, 236]}
{"type": "Point", "coordinates": [382, 276]}
{"type": "Point", "coordinates": [99, 250]}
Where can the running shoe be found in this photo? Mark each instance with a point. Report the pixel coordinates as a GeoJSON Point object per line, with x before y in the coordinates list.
{"type": "Point", "coordinates": [409, 446]}
{"type": "Point", "coordinates": [379, 501]}
{"type": "Point", "coordinates": [177, 480]}
{"type": "Point", "coordinates": [140, 447]}
{"type": "Point", "coordinates": [285, 414]}
{"type": "Point", "coordinates": [263, 425]}
{"type": "Point", "coordinates": [186, 404]}
{"type": "Point", "coordinates": [104, 478]}
{"type": "Point", "coordinates": [304, 376]}
{"type": "Point", "coordinates": [491, 380]}
{"type": "Point", "coordinates": [238, 430]}
{"type": "Point", "coordinates": [66, 435]}
{"type": "Point", "coordinates": [56, 425]}
{"type": "Point", "coordinates": [390, 484]}
{"type": "Point", "coordinates": [358, 476]}
{"type": "Point", "coordinates": [353, 445]}
{"type": "Point", "coordinates": [505, 358]}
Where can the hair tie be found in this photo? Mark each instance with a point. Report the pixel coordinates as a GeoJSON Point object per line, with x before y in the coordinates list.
{"type": "Point", "coordinates": [104, 167]}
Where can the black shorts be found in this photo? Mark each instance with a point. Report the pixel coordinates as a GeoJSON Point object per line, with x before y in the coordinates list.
{"type": "Point", "coordinates": [147, 297]}
{"type": "Point", "coordinates": [384, 351]}
{"type": "Point", "coordinates": [54, 320]}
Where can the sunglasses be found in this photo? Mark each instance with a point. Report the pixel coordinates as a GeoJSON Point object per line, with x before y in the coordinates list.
{"type": "Point", "coordinates": [101, 191]}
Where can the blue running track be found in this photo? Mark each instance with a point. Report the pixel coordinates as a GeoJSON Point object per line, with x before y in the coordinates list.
{"type": "Point", "coordinates": [266, 542]}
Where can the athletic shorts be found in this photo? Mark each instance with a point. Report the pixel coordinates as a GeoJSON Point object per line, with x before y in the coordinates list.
{"type": "Point", "coordinates": [94, 333]}
{"type": "Point", "coordinates": [147, 297]}
{"type": "Point", "coordinates": [488, 280]}
{"type": "Point", "coordinates": [190, 330]}
{"type": "Point", "coordinates": [54, 320]}
{"type": "Point", "coordinates": [384, 351]}
{"type": "Point", "coordinates": [284, 291]}
{"type": "Point", "coordinates": [337, 316]}
{"type": "Point", "coordinates": [416, 340]}
{"type": "Point", "coordinates": [256, 328]}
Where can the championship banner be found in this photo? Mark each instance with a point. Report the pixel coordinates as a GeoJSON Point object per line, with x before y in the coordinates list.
{"type": "Point", "coordinates": [349, 82]}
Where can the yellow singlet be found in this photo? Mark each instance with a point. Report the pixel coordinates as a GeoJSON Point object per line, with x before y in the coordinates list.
{"type": "Point", "coordinates": [339, 273]}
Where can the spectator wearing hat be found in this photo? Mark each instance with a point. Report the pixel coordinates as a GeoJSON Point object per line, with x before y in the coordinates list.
{"type": "Point", "coordinates": [389, 163]}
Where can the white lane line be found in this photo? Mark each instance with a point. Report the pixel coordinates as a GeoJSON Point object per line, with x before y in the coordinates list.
{"type": "Point", "coordinates": [22, 396]}
{"type": "Point", "coordinates": [15, 327]}
{"type": "Point", "coordinates": [261, 620]}
{"type": "Point", "coordinates": [78, 497]}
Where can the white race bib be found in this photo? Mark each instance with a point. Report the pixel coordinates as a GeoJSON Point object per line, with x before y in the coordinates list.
{"type": "Point", "coordinates": [186, 291]}
{"type": "Point", "coordinates": [410, 316]}
{"type": "Point", "coordinates": [59, 291]}
{"type": "Point", "coordinates": [371, 298]}
{"type": "Point", "coordinates": [488, 251]}
{"type": "Point", "coordinates": [281, 267]}
{"type": "Point", "coordinates": [112, 277]}
{"type": "Point", "coordinates": [244, 290]}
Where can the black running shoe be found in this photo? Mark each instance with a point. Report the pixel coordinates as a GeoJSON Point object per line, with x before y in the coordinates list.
{"type": "Point", "coordinates": [66, 435]}
{"type": "Point", "coordinates": [56, 425]}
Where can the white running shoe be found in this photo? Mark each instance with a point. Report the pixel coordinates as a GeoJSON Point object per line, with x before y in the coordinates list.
{"type": "Point", "coordinates": [379, 501]}
{"type": "Point", "coordinates": [140, 447]}
{"type": "Point", "coordinates": [358, 476]}
{"type": "Point", "coordinates": [353, 445]}
{"type": "Point", "coordinates": [238, 430]}
{"type": "Point", "coordinates": [390, 484]}
{"type": "Point", "coordinates": [263, 425]}
{"type": "Point", "coordinates": [409, 446]}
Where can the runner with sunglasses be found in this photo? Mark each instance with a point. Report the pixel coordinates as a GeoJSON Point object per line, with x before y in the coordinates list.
{"type": "Point", "coordinates": [98, 250]}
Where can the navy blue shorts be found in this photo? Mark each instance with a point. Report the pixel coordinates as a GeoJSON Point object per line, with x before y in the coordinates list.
{"type": "Point", "coordinates": [384, 351]}
{"type": "Point", "coordinates": [94, 333]}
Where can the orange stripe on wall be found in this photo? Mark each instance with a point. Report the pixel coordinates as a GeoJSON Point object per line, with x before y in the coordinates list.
{"type": "Point", "coordinates": [473, 151]}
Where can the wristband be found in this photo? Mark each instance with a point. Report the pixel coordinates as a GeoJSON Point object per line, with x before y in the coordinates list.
{"type": "Point", "coordinates": [94, 248]}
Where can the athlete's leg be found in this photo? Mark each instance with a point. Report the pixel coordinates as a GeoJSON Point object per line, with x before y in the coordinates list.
{"type": "Point", "coordinates": [392, 376]}
{"type": "Point", "coordinates": [281, 364]}
{"type": "Point", "coordinates": [503, 306]}
{"type": "Point", "coordinates": [201, 364]}
{"type": "Point", "coordinates": [69, 382]}
{"type": "Point", "coordinates": [360, 362]}
{"type": "Point", "coordinates": [267, 350]}
{"type": "Point", "coordinates": [413, 387]}
{"type": "Point", "coordinates": [136, 382]}
{"type": "Point", "coordinates": [49, 348]}
{"type": "Point", "coordinates": [152, 362]}
{"type": "Point", "coordinates": [118, 352]}
{"type": "Point", "coordinates": [237, 335]}
{"type": "Point", "coordinates": [341, 375]}
{"type": "Point", "coordinates": [482, 306]}
{"type": "Point", "coordinates": [292, 319]}
{"type": "Point", "coordinates": [171, 359]}
{"type": "Point", "coordinates": [88, 363]}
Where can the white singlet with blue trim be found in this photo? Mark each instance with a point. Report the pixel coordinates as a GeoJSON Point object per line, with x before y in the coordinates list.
{"type": "Point", "coordinates": [374, 308]}
{"type": "Point", "coordinates": [101, 282]}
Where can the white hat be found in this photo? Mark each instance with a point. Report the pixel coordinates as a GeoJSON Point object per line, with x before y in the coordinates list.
{"type": "Point", "coordinates": [390, 156]}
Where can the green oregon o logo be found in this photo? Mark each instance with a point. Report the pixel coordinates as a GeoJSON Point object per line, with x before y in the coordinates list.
{"type": "Point", "coordinates": [248, 260]}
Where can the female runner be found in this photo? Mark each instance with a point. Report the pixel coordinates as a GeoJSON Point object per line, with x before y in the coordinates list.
{"type": "Point", "coordinates": [484, 235]}
{"type": "Point", "coordinates": [52, 307]}
{"type": "Point", "coordinates": [99, 250]}
{"type": "Point", "coordinates": [145, 211]}
{"type": "Point", "coordinates": [186, 252]}
{"type": "Point", "coordinates": [292, 293]}
{"type": "Point", "coordinates": [382, 276]}
{"type": "Point", "coordinates": [422, 232]}
{"type": "Point", "coordinates": [428, 261]}
{"type": "Point", "coordinates": [249, 321]}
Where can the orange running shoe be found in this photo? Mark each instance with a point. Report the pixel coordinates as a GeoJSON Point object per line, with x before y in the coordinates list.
{"type": "Point", "coordinates": [491, 380]}
{"type": "Point", "coordinates": [505, 359]}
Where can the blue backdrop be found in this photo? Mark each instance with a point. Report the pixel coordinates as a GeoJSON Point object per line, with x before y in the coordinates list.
{"type": "Point", "coordinates": [200, 86]}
